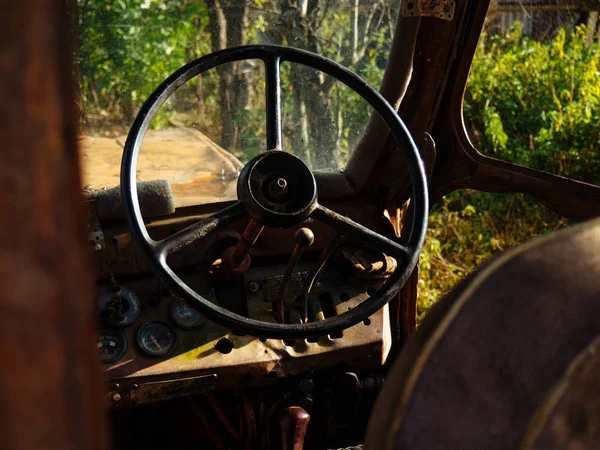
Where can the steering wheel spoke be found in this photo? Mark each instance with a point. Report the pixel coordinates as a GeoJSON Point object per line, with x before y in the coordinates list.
{"type": "Point", "coordinates": [273, 102]}
{"type": "Point", "coordinates": [355, 230]}
{"type": "Point", "coordinates": [200, 229]}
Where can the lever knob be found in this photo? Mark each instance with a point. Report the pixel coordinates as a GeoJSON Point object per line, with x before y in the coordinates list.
{"type": "Point", "coordinates": [293, 423]}
{"type": "Point", "coordinates": [305, 237]}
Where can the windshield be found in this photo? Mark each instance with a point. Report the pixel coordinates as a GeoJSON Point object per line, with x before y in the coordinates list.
{"type": "Point", "coordinates": [545, 114]}
{"type": "Point", "coordinates": [205, 133]}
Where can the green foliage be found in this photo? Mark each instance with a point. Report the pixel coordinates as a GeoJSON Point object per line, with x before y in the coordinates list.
{"type": "Point", "coordinates": [467, 228]}
{"type": "Point", "coordinates": [129, 46]}
{"type": "Point", "coordinates": [532, 103]}
{"type": "Point", "coordinates": [537, 103]}
{"type": "Point", "coordinates": [126, 48]}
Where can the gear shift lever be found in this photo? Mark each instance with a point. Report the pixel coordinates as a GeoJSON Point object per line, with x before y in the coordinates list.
{"type": "Point", "coordinates": [304, 239]}
{"type": "Point", "coordinates": [293, 422]}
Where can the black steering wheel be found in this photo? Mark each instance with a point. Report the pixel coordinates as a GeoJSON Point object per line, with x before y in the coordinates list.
{"type": "Point", "coordinates": [256, 199]}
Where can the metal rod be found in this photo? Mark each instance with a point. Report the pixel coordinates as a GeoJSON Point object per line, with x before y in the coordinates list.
{"type": "Point", "coordinates": [249, 237]}
{"type": "Point", "coordinates": [316, 269]}
{"type": "Point", "coordinates": [279, 309]}
{"type": "Point", "coordinates": [273, 100]}
{"type": "Point", "coordinates": [251, 424]}
{"type": "Point", "coordinates": [304, 239]}
{"type": "Point", "coordinates": [214, 436]}
{"type": "Point", "coordinates": [216, 406]}
{"type": "Point", "coordinates": [200, 229]}
{"type": "Point", "coordinates": [361, 233]}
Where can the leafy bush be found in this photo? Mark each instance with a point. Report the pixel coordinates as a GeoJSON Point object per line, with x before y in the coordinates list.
{"type": "Point", "coordinates": [532, 103]}
{"type": "Point", "coordinates": [537, 103]}
{"type": "Point", "coordinates": [467, 228]}
{"type": "Point", "coordinates": [126, 49]}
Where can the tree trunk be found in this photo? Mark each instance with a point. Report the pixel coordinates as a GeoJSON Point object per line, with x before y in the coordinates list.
{"type": "Point", "coordinates": [299, 129]}
{"type": "Point", "coordinates": [592, 24]}
{"type": "Point", "coordinates": [309, 91]}
{"type": "Point", "coordinates": [237, 27]}
{"type": "Point", "coordinates": [321, 123]}
{"type": "Point", "coordinates": [218, 40]}
{"type": "Point", "coordinates": [228, 27]}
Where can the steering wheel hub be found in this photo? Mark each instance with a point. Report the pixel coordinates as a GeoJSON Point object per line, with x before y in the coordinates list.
{"type": "Point", "coordinates": [277, 189]}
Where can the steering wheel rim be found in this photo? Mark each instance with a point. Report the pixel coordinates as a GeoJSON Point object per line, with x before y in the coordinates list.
{"type": "Point", "coordinates": [155, 252]}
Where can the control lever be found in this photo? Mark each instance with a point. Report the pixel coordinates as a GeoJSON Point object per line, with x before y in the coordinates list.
{"type": "Point", "coordinates": [236, 260]}
{"type": "Point", "coordinates": [293, 423]}
{"type": "Point", "coordinates": [304, 238]}
{"type": "Point", "coordinates": [314, 272]}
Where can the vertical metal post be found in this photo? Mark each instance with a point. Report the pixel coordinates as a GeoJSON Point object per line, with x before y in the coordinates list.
{"type": "Point", "coordinates": [50, 388]}
{"type": "Point", "coordinates": [273, 106]}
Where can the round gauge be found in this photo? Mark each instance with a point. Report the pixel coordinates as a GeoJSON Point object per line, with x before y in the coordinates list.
{"type": "Point", "coordinates": [111, 345]}
{"type": "Point", "coordinates": [185, 317]}
{"type": "Point", "coordinates": [156, 338]}
{"type": "Point", "coordinates": [118, 306]}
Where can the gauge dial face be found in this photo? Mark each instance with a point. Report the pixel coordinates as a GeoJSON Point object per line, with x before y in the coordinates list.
{"type": "Point", "coordinates": [111, 345]}
{"type": "Point", "coordinates": [156, 338]}
{"type": "Point", "coordinates": [118, 306]}
{"type": "Point", "coordinates": [185, 317]}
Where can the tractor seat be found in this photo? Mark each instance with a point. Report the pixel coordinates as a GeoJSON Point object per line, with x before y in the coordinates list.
{"type": "Point", "coordinates": [507, 359]}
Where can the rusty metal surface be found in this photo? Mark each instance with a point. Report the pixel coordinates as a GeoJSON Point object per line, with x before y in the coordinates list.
{"type": "Point", "coordinates": [50, 391]}
{"type": "Point", "coordinates": [407, 311]}
{"type": "Point", "coordinates": [375, 145]}
{"type": "Point", "coordinates": [569, 418]}
{"type": "Point", "coordinates": [474, 374]}
{"type": "Point", "coordinates": [197, 366]}
{"type": "Point", "coordinates": [533, 6]}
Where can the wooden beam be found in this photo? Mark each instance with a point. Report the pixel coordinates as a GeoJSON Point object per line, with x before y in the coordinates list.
{"type": "Point", "coordinates": [50, 391]}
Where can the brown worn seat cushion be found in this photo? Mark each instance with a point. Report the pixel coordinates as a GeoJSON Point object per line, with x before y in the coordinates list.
{"type": "Point", "coordinates": [476, 370]}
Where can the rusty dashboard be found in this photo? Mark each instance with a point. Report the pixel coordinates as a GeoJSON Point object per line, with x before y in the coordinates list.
{"type": "Point", "coordinates": [154, 348]}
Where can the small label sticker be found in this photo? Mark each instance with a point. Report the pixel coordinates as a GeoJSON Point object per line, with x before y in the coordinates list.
{"type": "Point", "coordinates": [442, 9]}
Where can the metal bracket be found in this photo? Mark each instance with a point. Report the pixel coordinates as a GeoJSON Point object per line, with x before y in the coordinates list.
{"type": "Point", "coordinates": [442, 9]}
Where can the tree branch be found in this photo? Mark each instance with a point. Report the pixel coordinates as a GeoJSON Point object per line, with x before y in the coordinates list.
{"type": "Point", "coordinates": [358, 55]}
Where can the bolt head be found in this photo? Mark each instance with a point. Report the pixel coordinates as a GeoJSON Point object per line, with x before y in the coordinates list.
{"type": "Point", "coordinates": [281, 183]}
{"type": "Point", "coordinates": [306, 385]}
{"type": "Point", "coordinates": [306, 402]}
